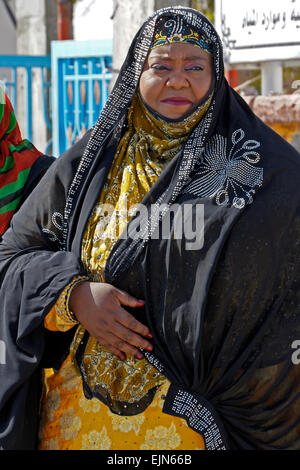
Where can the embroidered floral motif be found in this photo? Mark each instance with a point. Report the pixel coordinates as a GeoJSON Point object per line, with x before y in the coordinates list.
{"type": "Point", "coordinates": [229, 175]}
{"type": "Point", "coordinates": [124, 424]}
{"type": "Point", "coordinates": [53, 403]}
{"type": "Point", "coordinates": [90, 406]}
{"type": "Point", "coordinates": [52, 444]}
{"type": "Point", "coordinates": [70, 424]}
{"type": "Point", "coordinates": [70, 378]}
{"type": "Point", "coordinates": [161, 438]}
{"type": "Point", "coordinates": [95, 440]}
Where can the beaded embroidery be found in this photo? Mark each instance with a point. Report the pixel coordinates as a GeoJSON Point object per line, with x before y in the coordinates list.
{"type": "Point", "coordinates": [228, 175]}
{"type": "Point", "coordinates": [57, 221]}
{"type": "Point", "coordinates": [198, 416]}
{"type": "Point", "coordinates": [176, 31]}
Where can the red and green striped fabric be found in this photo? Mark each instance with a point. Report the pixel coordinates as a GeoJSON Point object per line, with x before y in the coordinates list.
{"type": "Point", "coordinates": [16, 159]}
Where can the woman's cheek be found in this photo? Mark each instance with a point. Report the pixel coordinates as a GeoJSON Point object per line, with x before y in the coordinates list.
{"type": "Point", "coordinates": [150, 86]}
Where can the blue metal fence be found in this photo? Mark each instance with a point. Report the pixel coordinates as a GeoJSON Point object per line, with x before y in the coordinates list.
{"type": "Point", "coordinates": [80, 86]}
{"type": "Point", "coordinates": [27, 63]}
{"type": "Point", "coordinates": [74, 96]}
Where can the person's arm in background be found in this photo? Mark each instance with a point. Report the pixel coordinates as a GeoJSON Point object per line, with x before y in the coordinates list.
{"type": "Point", "coordinates": [21, 164]}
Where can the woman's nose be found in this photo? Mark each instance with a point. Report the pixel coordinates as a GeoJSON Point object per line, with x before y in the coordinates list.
{"type": "Point", "coordinates": [177, 80]}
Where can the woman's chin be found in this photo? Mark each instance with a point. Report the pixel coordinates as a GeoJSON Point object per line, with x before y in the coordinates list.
{"type": "Point", "coordinates": [176, 113]}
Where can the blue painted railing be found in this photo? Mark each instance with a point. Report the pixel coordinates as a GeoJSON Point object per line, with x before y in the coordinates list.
{"type": "Point", "coordinates": [72, 101]}
{"type": "Point", "coordinates": [81, 72]}
{"type": "Point", "coordinates": [27, 63]}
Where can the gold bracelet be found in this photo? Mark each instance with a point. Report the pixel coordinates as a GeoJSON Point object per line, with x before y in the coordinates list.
{"type": "Point", "coordinates": [62, 305]}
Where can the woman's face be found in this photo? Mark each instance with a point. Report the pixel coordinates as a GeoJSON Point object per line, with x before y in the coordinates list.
{"type": "Point", "coordinates": [175, 78]}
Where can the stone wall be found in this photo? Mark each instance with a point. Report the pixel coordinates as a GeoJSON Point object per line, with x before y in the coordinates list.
{"type": "Point", "coordinates": [281, 113]}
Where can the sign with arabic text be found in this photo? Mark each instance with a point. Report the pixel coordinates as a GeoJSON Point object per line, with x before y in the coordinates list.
{"type": "Point", "coordinates": [259, 30]}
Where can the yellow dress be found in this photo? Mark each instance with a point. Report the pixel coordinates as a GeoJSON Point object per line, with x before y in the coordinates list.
{"type": "Point", "coordinates": [68, 419]}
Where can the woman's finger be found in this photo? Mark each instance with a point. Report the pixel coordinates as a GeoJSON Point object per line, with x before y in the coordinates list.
{"type": "Point", "coordinates": [128, 321]}
{"type": "Point", "coordinates": [131, 338]}
{"type": "Point", "coordinates": [112, 341]}
{"type": "Point", "coordinates": [128, 300]}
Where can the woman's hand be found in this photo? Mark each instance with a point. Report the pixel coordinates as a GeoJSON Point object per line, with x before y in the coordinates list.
{"type": "Point", "coordinates": [98, 307]}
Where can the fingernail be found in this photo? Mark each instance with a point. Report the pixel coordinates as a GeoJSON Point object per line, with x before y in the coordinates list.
{"type": "Point", "coordinates": [149, 348]}
{"type": "Point", "coordinates": [139, 356]}
{"type": "Point", "coordinates": [149, 336]}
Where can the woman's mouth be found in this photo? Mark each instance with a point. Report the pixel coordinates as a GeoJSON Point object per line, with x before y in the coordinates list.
{"type": "Point", "coordinates": [176, 101]}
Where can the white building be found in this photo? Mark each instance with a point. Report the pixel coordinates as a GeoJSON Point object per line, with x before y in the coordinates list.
{"type": "Point", "coordinates": [8, 37]}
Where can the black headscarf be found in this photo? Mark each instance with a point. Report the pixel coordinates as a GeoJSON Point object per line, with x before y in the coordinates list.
{"type": "Point", "coordinates": [224, 313]}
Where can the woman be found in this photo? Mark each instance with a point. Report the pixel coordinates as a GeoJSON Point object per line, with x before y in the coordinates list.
{"type": "Point", "coordinates": [21, 163]}
{"type": "Point", "coordinates": [204, 359]}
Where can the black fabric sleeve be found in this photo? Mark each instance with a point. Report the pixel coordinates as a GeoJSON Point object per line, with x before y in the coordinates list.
{"type": "Point", "coordinates": [33, 271]}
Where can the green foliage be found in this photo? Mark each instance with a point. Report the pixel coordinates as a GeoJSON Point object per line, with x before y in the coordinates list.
{"type": "Point", "coordinates": [290, 75]}
{"type": "Point", "coordinates": [207, 7]}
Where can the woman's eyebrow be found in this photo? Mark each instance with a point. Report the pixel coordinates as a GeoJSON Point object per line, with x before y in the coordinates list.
{"type": "Point", "coordinates": [196, 57]}
{"type": "Point", "coordinates": [166, 57]}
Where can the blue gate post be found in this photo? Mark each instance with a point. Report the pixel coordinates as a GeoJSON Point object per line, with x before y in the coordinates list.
{"type": "Point", "coordinates": [81, 72]}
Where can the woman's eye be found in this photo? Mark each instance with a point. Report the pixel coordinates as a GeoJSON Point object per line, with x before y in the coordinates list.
{"type": "Point", "coordinates": [159, 67]}
{"type": "Point", "coordinates": [195, 67]}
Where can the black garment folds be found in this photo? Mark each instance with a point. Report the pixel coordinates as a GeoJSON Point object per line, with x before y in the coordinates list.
{"type": "Point", "coordinates": [223, 311]}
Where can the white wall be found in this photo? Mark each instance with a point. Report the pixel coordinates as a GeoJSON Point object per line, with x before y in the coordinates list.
{"type": "Point", "coordinates": [8, 39]}
{"type": "Point", "coordinates": [129, 16]}
{"type": "Point", "coordinates": [92, 20]}
{"type": "Point", "coordinates": [32, 40]}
